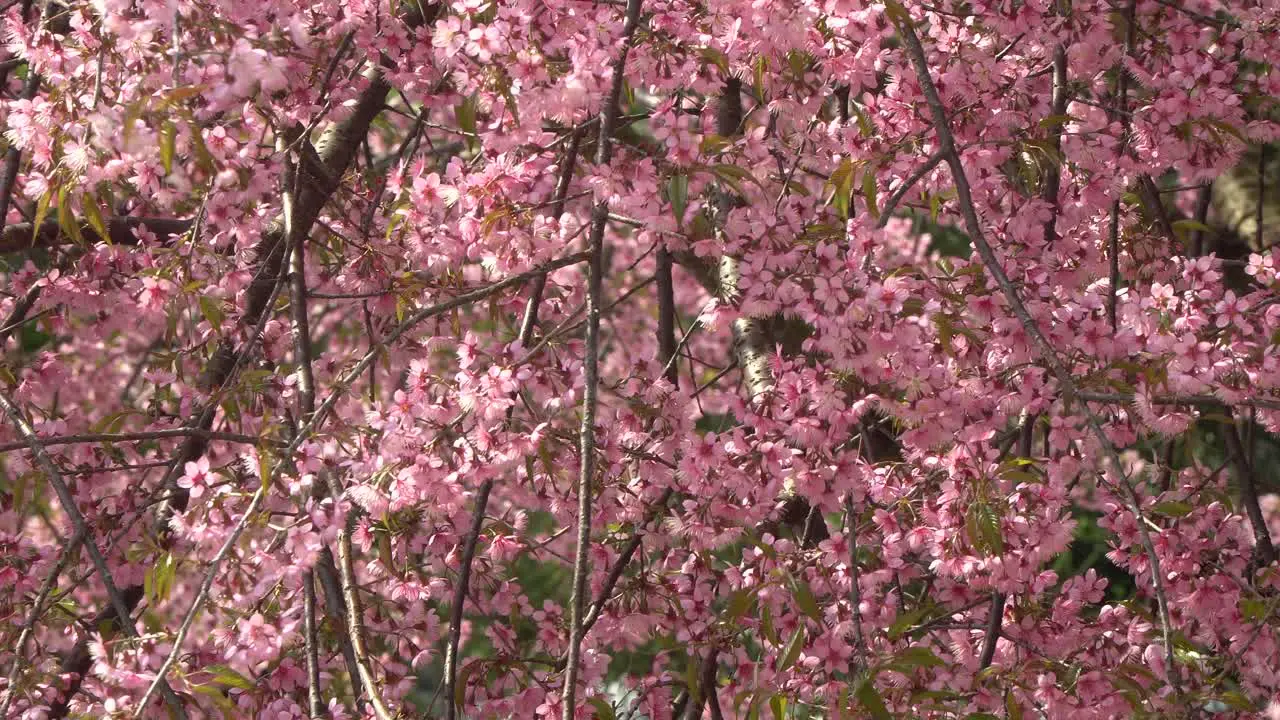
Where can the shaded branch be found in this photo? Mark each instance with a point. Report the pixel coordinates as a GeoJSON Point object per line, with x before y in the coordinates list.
{"type": "Point", "coordinates": [1264, 550]}
{"type": "Point", "coordinates": [120, 231]}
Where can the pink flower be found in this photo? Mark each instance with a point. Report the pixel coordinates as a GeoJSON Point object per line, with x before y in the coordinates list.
{"type": "Point", "coordinates": [196, 477]}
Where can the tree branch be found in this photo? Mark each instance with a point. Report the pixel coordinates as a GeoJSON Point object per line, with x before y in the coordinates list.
{"type": "Point", "coordinates": [1039, 341]}
{"type": "Point", "coordinates": [1264, 550]}
{"type": "Point", "coordinates": [207, 435]}
{"type": "Point", "coordinates": [587, 437]}
{"type": "Point", "coordinates": [122, 608]}
{"type": "Point", "coordinates": [120, 231]}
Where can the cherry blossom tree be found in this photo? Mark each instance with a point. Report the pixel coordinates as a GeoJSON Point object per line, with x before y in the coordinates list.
{"type": "Point", "coordinates": [655, 359]}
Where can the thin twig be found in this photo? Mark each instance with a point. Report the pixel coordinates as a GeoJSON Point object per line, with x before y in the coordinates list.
{"type": "Point", "coordinates": [355, 609]}
{"type": "Point", "coordinates": [1195, 400]}
{"type": "Point", "coordinates": [138, 437]}
{"type": "Point", "coordinates": [65, 554]}
{"type": "Point", "coordinates": [460, 598]}
{"type": "Point", "coordinates": [1039, 341]}
{"type": "Point", "coordinates": [527, 324]}
{"type": "Point", "coordinates": [201, 596]}
{"type": "Point", "coordinates": [82, 531]}
{"type": "Point", "coordinates": [587, 437]}
{"type": "Point", "coordinates": [886, 214]}
{"type": "Point", "coordinates": [1121, 110]}
{"type": "Point", "coordinates": [315, 704]}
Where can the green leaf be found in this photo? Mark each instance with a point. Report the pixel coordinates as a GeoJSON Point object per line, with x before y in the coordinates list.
{"type": "Point", "coordinates": [1237, 701]}
{"type": "Point", "coordinates": [224, 675]}
{"type": "Point", "coordinates": [1173, 508]}
{"type": "Point", "coordinates": [841, 186]}
{"type": "Point", "coordinates": [740, 602]}
{"type": "Point", "coordinates": [906, 621]}
{"type": "Point", "coordinates": [227, 707]}
{"type": "Point", "coordinates": [204, 159]}
{"type": "Point", "coordinates": [778, 704]}
{"type": "Point", "coordinates": [767, 627]}
{"type": "Point", "coordinates": [869, 192]}
{"type": "Point", "coordinates": [1055, 122]}
{"type": "Point", "coordinates": [717, 58]}
{"type": "Point", "coordinates": [1252, 609]}
{"type": "Point", "coordinates": [805, 600]}
{"type": "Point", "coordinates": [94, 215]}
{"type": "Point", "coordinates": [604, 711]}
{"type": "Point", "coordinates": [758, 68]}
{"type": "Point", "coordinates": [713, 144]}
{"type": "Point", "coordinates": [917, 657]}
{"type": "Point", "coordinates": [896, 12]}
{"type": "Point", "coordinates": [211, 308]}
{"type": "Point", "coordinates": [42, 210]}
{"type": "Point", "coordinates": [982, 524]}
{"type": "Point", "coordinates": [465, 115]}
{"type": "Point", "coordinates": [1011, 707]}
{"type": "Point", "coordinates": [792, 651]}
{"type": "Point", "coordinates": [66, 220]}
{"type": "Point", "coordinates": [725, 171]}
{"type": "Point", "coordinates": [864, 122]}
{"type": "Point", "coordinates": [161, 578]}
{"type": "Point", "coordinates": [168, 141]}
{"type": "Point", "coordinates": [1182, 227]}
{"type": "Point", "coordinates": [113, 422]}
{"type": "Point", "coordinates": [869, 698]}
{"type": "Point", "coordinates": [464, 677]}
{"type": "Point", "coordinates": [678, 196]}
{"type": "Point", "coordinates": [264, 466]}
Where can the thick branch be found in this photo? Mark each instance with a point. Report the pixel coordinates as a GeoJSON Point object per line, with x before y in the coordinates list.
{"type": "Point", "coordinates": [120, 231]}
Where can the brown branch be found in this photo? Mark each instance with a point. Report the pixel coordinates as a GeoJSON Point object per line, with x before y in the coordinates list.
{"type": "Point", "coordinates": [886, 214]}
{"type": "Point", "coordinates": [315, 704]}
{"type": "Point", "coordinates": [1121, 110]}
{"type": "Point", "coordinates": [1204, 198]}
{"type": "Point", "coordinates": [65, 554]}
{"type": "Point", "coordinates": [335, 149]}
{"type": "Point", "coordinates": [1264, 550]}
{"type": "Point", "coordinates": [460, 599]}
{"type": "Point", "coordinates": [202, 596]}
{"type": "Point", "coordinates": [666, 315]}
{"type": "Point", "coordinates": [183, 432]}
{"type": "Point", "coordinates": [123, 230]}
{"type": "Point", "coordinates": [355, 609]}
{"type": "Point", "coordinates": [326, 571]}
{"type": "Point", "coordinates": [706, 690]}
{"type": "Point", "coordinates": [527, 324]}
{"type": "Point", "coordinates": [587, 437]}
{"type": "Point", "coordinates": [118, 602]}
{"type": "Point", "coordinates": [303, 356]}
{"type": "Point", "coordinates": [624, 559]}
{"type": "Point", "coordinates": [1038, 340]}
{"type": "Point", "coordinates": [1195, 400]}
{"type": "Point", "coordinates": [995, 619]}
